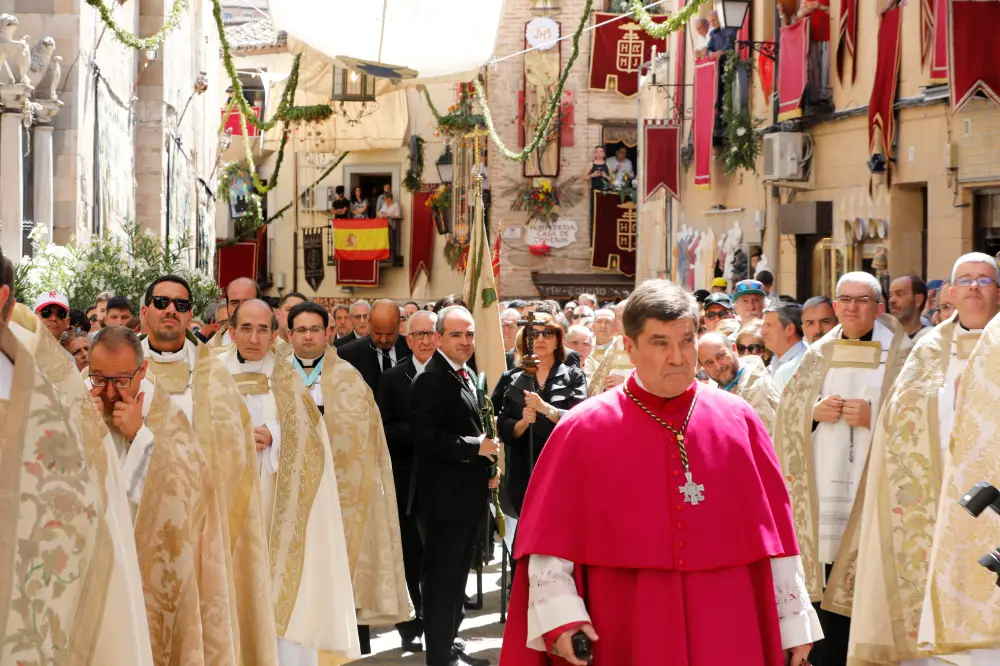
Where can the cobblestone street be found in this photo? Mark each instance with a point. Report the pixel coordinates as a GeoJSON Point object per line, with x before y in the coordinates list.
{"type": "Point", "coordinates": [481, 630]}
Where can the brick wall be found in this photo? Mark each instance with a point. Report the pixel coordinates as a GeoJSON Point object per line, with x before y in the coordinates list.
{"type": "Point", "coordinates": [593, 108]}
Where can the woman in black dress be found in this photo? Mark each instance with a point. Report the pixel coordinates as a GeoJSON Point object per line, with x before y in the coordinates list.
{"type": "Point", "coordinates": [532, 407]}
{"type": "Point", "coordinates": [598, 172]}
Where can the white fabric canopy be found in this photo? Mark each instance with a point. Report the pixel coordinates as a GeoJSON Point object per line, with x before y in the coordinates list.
{"type": "Point", "coordinates": [438, 39]}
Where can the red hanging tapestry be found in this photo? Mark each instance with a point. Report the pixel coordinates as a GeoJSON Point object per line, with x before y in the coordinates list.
{"type": "Point", "coordinates": [881, 106]}
{"type": "Point", "coordinates": [421, 237]}
{"type": "Point", "coordinates": [793, 69]}
{"type": "Point", "coordinates": [926, 29]}
{"type": "Point", "coordinates": [973, 56]}
{"type": "Point", "coordinates": [234, 261]}
{"type": "Point", "coordinates": [663, 158]}
{"type": "Point", "coordinates": [846, 41]}
{"type": "Point", "coordinates": [614, 233]}
{"type": "Point", "coordinates": [939, 50]}
{"type": "Point", "coordinates": [357, 273]}
{"type": "Point", "coordinates": [618, 50]}
{"type": "Point", "coordinates": [706, 91]}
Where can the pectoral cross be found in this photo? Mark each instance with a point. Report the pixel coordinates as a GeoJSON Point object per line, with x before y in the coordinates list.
{"type": "Point", "coordinates": [693, 492]}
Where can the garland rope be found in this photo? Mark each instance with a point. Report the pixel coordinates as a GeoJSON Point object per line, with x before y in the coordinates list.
{"type": "Point", "coordinates": [671, 25]}
{"type": "Point", "coordinates": [554, 101]}
{"type": "Point", "coordinates": [141, 43]}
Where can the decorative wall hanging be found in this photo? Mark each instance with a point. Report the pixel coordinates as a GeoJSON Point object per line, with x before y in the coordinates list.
{"type": "Point", "coordinates": [881, 106]}
{"type": "Point", "coordinates": [793, 71]}
{"type": "Point", "coordinates": [973, 58]}
{"type": "Point", "coordinates": [847, 39]}
{"type": "Point", "coordinates": [618, 50]}
{"type": "Point", "coordinates": [312, 257]}
{"type": "Point", "coordinates": [421, 238]}
{"type": "Point", "coordinates": [614, 241]}
{"type": "Point", "coordinates": [939, 49]}
{"type": "Point", "coordinates": [706, 90]}
{"type": "Point", "coordinates": [540, 79]}
{"type": "Point", "coordinates": [662, 154]}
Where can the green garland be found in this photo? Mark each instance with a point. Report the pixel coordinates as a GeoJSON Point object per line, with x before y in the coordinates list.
{"type": "Point", "coordinates": [141, 43]}
{"type": "Point", "coordinates": [671, 25]}
{"type": "Point", "coordinates": [459, 120]}
{"type": "Point", "coordinates": [554, 101]}
{"type": "Point", "coordinates": [742, 145]}
{"type": "Point", "coordinates": [415, 174]}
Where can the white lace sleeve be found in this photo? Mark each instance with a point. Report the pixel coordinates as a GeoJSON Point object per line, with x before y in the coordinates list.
{"type": "Point", "coordinates": [796, 615]}
{"type": "Point", "coordinates": [552, 598]}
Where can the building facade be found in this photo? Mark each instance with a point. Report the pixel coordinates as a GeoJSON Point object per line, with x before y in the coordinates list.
{"type": "Point", "coordinates": [825, 198]}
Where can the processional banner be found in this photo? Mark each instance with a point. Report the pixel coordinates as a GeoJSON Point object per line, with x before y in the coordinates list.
{"type": "Point", "coordinates": [614, 242]}
{"type": "Point", "coordinates": [974, 59]}
{"type": "Point", "coordinates": [793, 69]}
{"type": "Point", "coordinates": [706, 98]}
{"type": "Point", "coordinates": [881, 106]}
{"type": "Point", "coordinates": [618, 50]}
{"type": "Point", "coordinates": [846, 42]}
{"type": "Point", "coordinates": [663, 157]}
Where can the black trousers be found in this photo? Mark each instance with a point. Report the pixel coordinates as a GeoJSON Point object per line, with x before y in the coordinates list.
{"type": "Point", "coordinates": [413, 553]}
{"type": "Point", "coordinates": [832, 650]}
{"type": "Point", "coordinates": [448, 551]}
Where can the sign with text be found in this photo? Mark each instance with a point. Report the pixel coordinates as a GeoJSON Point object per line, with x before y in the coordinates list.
{"type": "Point", "coordinates": [541, 33]}
{"type": "Point", "coordinates": [559, 234]}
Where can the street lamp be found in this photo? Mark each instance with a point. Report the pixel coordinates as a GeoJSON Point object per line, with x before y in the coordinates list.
{"type": "Point", "coordinates": [445, 165]}
{"type": "Point", "coordinates": [734, 13]}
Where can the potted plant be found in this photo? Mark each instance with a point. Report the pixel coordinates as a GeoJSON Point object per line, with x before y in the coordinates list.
{"type": "Point", "coordinates": [440, 205]}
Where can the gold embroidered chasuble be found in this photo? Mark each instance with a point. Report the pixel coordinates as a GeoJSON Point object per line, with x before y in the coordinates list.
{"type": "Point", "coordinates": [793, 441]}
{"type": "Point", "coordinates": [59, 369]}
{"type": "Point", "coordinates": [216, 342]}
{"type": "Point", "coordinates": [901, 499]}
{"type": "Point", "coordinates": [182, 553]}
{"type": "Point", "coordinates": [367, 493]}
{"type": "Point", "coordinates": [615, 361]}
{"type": "Point", "coordinates": [207, 395]}
{"type": "Point", "coordinates": [757, 388]}
{"type": "Point", "coordinates": [65, 594]}
{"type": "Point", "coordinates": [961, 601]}
{"type": "Point", "coordinates": [309, 572]}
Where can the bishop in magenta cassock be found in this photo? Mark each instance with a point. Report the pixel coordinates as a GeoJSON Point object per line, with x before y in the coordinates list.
{"type": "Point", "coordinates": [657, 521]}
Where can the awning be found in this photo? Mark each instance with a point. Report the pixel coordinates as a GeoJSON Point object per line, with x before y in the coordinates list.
{"type": "Point", "coordinates": [440, 40]}
{"type": "Point", "coordinates": [606, 286]}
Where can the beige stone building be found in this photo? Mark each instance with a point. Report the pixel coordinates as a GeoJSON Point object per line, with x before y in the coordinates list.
{"type": "Point", "coordinates": [835, 214]}
{"type": "Point", "coordinates": [117, 134]}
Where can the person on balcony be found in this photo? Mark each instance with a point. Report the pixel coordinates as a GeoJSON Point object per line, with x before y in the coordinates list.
{"type": "Point", "coordinates": [359, 204]}
{"type": "Point", "coordinates": [341, 205]}
{"type": "Point", "coordinates": [391, 211]}
{"type": "Point", "coordinates": [598, 173]}
{"type": "Point", "coordinates": [818, 13]}
{"type": "Point", "coordinates": [621, 167]}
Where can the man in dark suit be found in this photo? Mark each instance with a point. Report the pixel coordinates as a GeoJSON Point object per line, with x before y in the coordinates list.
{"type": "Point", "coordinates": [360, 313]}
{"type": "Point", "coordinates": [452, 478]}
{"type": "Point", "coordinates": [382, 349]}
{"type": "Point", "coordinates": [341, 329]}
{"type": "Point", "coordinates": [394, 405]}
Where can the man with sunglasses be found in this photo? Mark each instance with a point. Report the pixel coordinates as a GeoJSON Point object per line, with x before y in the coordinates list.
{"type": "Point", "coordinates": [151, 434]}
{"type": "Point", "coordinates": [925, 416]}
{"type": "Point", "coordinates": [718, 306]}
{"type": "Point", "coordinates": [749, 299]}
{"type": "Point", "coordinates": [209, 398]}
{"type": "Point", "coordinates": [298, 486]}
{"type": "Point", "coordinates": [53, 309]}
{"type": "Point", "coordinates": [745, 376]}
{"type": "Point", "coordinates": [825, 423]}
{"type": "Point", "coordinates": [352, 422]}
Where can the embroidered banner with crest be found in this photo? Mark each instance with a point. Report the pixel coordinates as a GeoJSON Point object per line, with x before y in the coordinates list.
{"type": "Point", "coordinates": [614, 241]}
{"type": "Point", "coordinates": [662, 150]}
{"type": "Point", "coordinates": [973, 58]}
{"type": "Point", "coordinates": [312, 257]}
{"type": "Point", "coordinates": [618, 50]}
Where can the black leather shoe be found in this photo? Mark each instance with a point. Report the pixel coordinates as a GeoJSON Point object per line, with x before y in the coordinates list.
{"type": "Point", "coordinates": [463, 658]}
{"type": "Point", "coordinates": [471, 604]}
{"type": "Point", "coordinates": [459, 644]}
{"type": "Point", "coordinates": [412, 644]}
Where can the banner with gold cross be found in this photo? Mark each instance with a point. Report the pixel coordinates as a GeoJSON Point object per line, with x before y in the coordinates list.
{"type": "Point", "coordinates": [614, 233]}
{"type": "Point", "coordinates": [620, 46]}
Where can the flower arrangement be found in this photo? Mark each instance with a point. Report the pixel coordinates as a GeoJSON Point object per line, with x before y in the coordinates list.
{"type": "Point", "coordinates": [460, 119]}
{"type": "Point", "coordinates": [742, 143]}
{"type": "Point", "coordinates": [440, 204]}
{"type": "Point", "coordinates": [626, 191]}
{"type": "Point", "coordinates": [541, 203]}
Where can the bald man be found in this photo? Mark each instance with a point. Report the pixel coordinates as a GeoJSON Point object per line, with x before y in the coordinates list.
{"type": "Point", "coordinates": [239, 290]}
{"type": "Point", "coordinates": [382, 349]}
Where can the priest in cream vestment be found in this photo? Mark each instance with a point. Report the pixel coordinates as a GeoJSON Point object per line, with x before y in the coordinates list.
{"type": "Point", "coordinates": [178, 533]}
{"type": "Point", "coordinates": [310, 577]}
{"type": "Point", "coordinates": [200, 386]}
{"type": "Point", "coordinates": [895, 620]}
{"type": "Point", "coordinates": [70, 591]}
{"type": "Point", "coordinates": [613, 369]}
{"type": "Point", "coordinates": [364, 472]}
{"type": "Point", "coordinates": [822, 435]}
{"type": "Point", "coordinates": [746, 377]}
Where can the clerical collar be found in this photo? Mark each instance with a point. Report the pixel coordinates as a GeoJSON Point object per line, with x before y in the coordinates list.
{"type": "Point", "coordinates": [606, 345]}
{"type": "Point", "coordinates": [161, 352]}
{"type": "Point", "coordinates": [308, 363]}
{"type": "Point", "coordinates": [655, 401]}
{"type": "Point", "coordinates": [867, 337]}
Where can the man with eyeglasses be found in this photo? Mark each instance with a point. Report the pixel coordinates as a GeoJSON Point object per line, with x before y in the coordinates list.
{"type": "Point", "coordinates": [718, 306]}
{"type": "Point", "coordinates": [746, 377]}
{"type": "Point", "coordinates": [356, 325]}
{"type": "Point", "coordinates": [749, 299]}
{"type": "Point", "coordinates": [582, 312]}
{"type": "Point", "coordinates": [239, 290]}
{"type": "Point", "coordinates": [294, 464]}
{"type": "Point", "coordinates": [207, 394]}
{"type": "Point", "coordinates": [508, 327]}
{"type": "Point", "coordinates": [162, 462]}
{"type": "Point", "coordinates": [394, 405]}
{"type": "Point", "coordinates": [945, 302]}
{"type": "Point", "coordinates": [382, 349]}
{"type": "Point", "coordinates": [365, 477]}
{"type": "Point", "coordinates": [917, 424]}
{"type": "Point", "coordinates": [825, 422]}
{"type": "Point", "coordinates": [52, 308]}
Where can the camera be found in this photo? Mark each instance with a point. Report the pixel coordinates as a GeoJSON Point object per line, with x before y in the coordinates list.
{"type": "Point", "coordinates": [980, 497]}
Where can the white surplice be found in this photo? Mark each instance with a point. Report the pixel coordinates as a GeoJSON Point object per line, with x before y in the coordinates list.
{"type": "Point", "coordinates": [186, 354]}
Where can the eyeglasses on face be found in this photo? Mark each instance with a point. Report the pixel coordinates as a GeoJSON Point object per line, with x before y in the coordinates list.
{"type": "Point", "coordinates": [100, 381]}
{"type": "Point", "coordinates": [249, 331]}
{"type": "Point", "coordinates": [361, 317]}
{"type": "Point", "coordinates": [50, 310]}
{"type": "Point", "coordinates": [92, 318]}
{"type": "Point", "coordinates": [311, 330]}
{"type": "Point", "coordinates": [712, 316]}
{"type": "Point", "coordinates": [847, 301]}
{"type": "Point", "coordinates": [753, 348]}
{"type": "Point", "coordinates": [508, 326]}
{"type": "Point", "coordinates": [979, 281]}
{"type": "Point", "coordinates": [163, 302]}
{"type": "Point", "coordinates": [420, 336]}
{"type": "Point", "coordinates": [544, 333]}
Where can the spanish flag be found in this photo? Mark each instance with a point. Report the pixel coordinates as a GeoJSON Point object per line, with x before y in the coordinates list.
{"type": "Point", "coordinates": [360, 239]}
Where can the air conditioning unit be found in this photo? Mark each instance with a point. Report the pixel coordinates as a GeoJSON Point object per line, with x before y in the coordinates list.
{"type": "Point", "coordinates": [784, 157]}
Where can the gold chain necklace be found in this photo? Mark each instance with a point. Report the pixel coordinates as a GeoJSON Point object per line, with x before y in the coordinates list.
{"type": "Point", "coordinates": [693, 492]}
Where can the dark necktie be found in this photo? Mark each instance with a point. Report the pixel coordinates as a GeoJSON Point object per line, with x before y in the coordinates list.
{"type": "Point", "coordinates": [386, 361]}
{"type": "Point", "coordinates": [463, 374]}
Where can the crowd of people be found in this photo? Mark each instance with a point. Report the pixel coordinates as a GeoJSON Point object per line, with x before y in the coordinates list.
{"type": "Point", "coordinates": [265, 484]}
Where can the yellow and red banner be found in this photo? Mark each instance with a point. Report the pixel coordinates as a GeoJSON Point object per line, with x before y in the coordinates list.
{"type": "Point", "coordinates": [360, 239]}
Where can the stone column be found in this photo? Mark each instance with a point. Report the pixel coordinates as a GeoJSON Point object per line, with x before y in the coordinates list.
{"type": "Point", "coordinates": [41, 149]}
{"type": "Point", "coordinates": [11, 185]}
